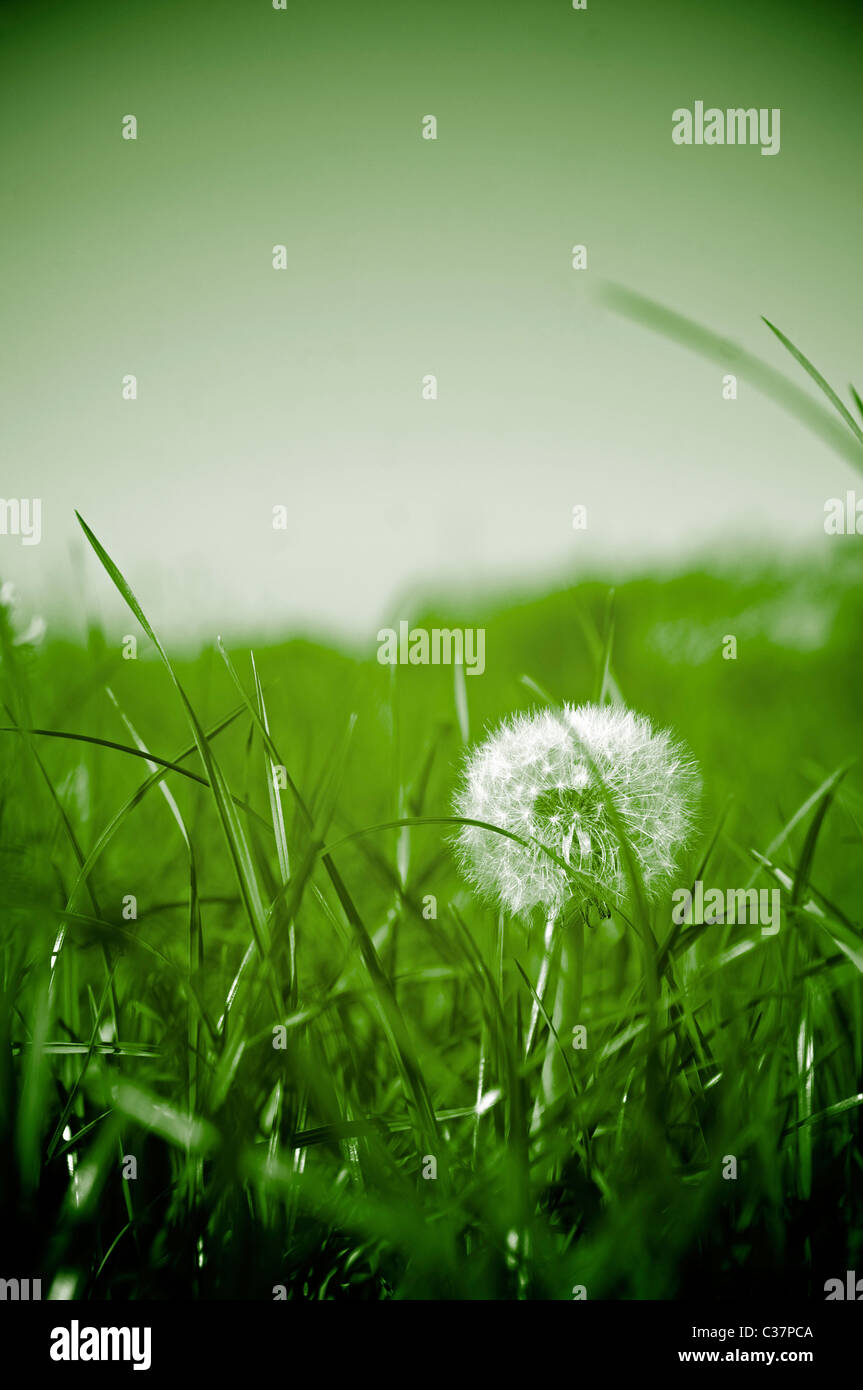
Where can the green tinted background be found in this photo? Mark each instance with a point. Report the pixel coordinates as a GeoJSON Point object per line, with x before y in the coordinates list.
{"type": "Point", "coordinates": [408, 257]}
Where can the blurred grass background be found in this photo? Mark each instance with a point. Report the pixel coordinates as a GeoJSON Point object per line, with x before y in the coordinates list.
{"type": "Point", "coordinates": [301, 1167]}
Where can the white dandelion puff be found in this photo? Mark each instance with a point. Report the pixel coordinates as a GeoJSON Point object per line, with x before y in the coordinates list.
{"type": "Point", "coordinates": [548, 776]}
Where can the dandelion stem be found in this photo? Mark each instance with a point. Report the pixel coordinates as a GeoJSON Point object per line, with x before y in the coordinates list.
{"type": "Point", "coordinates": [542, 982]}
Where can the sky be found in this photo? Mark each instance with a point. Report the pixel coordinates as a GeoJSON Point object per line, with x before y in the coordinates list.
{"type": "Point", "coordinates": [406, 257]}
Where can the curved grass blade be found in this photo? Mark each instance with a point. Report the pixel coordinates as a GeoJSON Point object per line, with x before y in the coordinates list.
{"type": "Point", "coordinates": [231, 827]}
{"type": "Point", "coordinates": [819, 380]}
{"type": "Point", "coordinates": [807, 854]}
{"type": "Point", "coordinates": [166, 764]}
{"type": "Point", "coordinates": [529, 843]}
{"type": "Point", "coordinates": [722, 350]}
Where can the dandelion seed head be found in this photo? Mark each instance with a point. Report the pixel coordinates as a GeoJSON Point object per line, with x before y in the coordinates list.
{"type": "Point", "coordinates": [549, 775]}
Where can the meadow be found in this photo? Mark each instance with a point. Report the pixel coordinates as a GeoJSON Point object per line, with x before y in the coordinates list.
{"type": "Point", "coordinates": [259, 1039]}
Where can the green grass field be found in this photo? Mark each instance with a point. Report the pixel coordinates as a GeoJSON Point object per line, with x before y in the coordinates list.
{"type": "Point", "coordinates": [154, 1141]}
